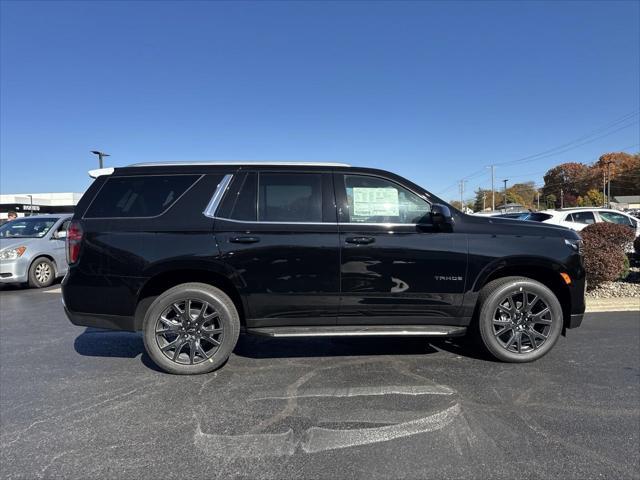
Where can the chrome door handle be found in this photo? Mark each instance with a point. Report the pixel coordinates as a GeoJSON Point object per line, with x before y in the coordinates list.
{"type": "Point", "coordinates": [244, 239]}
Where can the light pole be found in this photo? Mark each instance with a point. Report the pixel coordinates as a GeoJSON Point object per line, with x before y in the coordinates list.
{"type": "Point", "coordinates": [100, 155]}
{"type": "Point", "coordinates": [505, 190]}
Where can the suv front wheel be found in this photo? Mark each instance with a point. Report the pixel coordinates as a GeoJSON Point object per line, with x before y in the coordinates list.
{"type": "Point", "coordinates": [191, 329]}
{"type": "Point", "coordinates": [520, 319]}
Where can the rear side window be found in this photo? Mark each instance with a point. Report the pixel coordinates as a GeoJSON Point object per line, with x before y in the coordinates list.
{"type": "Point", "coordinates": [581, 217]}
{"type": "Point", "coordinates": [139, 196]}
{"type": "Point", "coordinates": [290, 197]}
{"type": "Point", "coordinates": [612, 217]}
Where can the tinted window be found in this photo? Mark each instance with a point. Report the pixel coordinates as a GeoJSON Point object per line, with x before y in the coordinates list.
{"type": "Point", "coordinates": [581, 217]}
{"type": "Point", "coordinates": [290, 197]}
{"type": "Point", "coordinates": [244, 206]}
{"type": "Point", "coordinates": [538, 217]}
{"type": "Point", "coordinates": [139, 196]}
{"type": "Point", "coordinates": [374, 200]}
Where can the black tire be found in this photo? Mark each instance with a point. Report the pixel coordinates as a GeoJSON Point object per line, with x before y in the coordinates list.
{"type": "Point", "coordinates": [176, 326]}
{"type": "Point", "coordinates": [42, 273]}
{"type": "Point", "coordinates": [535, 332]}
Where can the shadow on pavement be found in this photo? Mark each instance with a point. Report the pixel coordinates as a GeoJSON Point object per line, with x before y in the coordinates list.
{"type": "Point", "coordinates": [95, 342]}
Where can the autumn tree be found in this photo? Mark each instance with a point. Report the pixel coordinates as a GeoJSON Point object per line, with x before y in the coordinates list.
{"type": "Point", "coordinates": [624, 169]}
{"type": "Point", "coordinates": [573, 178]}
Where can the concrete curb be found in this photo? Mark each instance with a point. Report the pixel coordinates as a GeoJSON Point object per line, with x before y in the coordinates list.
{"type": "Point", "coordinates": [619, 304]}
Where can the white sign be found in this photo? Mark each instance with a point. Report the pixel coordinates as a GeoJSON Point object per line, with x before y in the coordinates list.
{"type": "Point", "coordinates": [373, 202]}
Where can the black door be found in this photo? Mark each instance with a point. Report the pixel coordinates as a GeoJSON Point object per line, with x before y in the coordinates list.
{"type": "Point", "coordinates": [278, 231]}
{"type": "Point", "coordinates": [395, 267]}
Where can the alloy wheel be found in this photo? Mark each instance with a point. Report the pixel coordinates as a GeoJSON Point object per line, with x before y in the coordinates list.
{"type": "Point", "coordinates": [43, 272]}
{"type": "Point", "coordinates": [522, 322]}
{"type": "Point", "coordinates": [189, 331]}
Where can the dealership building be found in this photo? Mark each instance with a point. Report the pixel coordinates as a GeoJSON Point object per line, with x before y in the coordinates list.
{"type": "Point", "coordinates": [25, 204]}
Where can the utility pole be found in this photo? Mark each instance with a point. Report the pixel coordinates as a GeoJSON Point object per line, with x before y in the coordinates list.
{"type": "Point", "coordinates": [604, 188]}
{"type": "Point", "coordinates": [561, 199]}
{"type": "Point", "coordinates": [608, 164]}
{"type": "Point", "coordinates": [100, 155]}
{"type": "Point", "coordinates": [493, 190]}
{"type": "Point", "coordinates": [505, 190]}
{"type": "Point", "coordinates": [484, 201]}
{"type": "Point", "coordinates": [538, 194]}
{"type": "Point", "coordinates": [462, 194]}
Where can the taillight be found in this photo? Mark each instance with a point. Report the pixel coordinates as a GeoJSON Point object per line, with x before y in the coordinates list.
{"type": "Point", "coordinates": [74, 238]}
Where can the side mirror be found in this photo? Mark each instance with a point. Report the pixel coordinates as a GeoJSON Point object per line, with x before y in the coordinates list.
{"type": "Point", "coordinates": [61, 235]}
{"type": "Point", "coordinates": [441, 215]}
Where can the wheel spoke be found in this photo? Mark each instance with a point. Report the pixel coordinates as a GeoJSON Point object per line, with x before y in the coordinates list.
{"type": "Point", "coordinates": [503, 331]}
{"type": "Point", "coordinates": [200, 350]}
{"type": "Point", "coordinates": [202, 312]}
{"type": "Point", "coordinates": [171, 326]}
{"type": "Point", "coordinates": [537, 334]}
{"type": "Point", "coordinates": [512, 339]}
{"type": "Point", "coordinates": [176, 308]}
{"type": "Point", "coordinates": [179, 347]}
{"type": "Point", "coordinates": [187, 309]}
{"type": "Point", "coordinates": [532, 339]}
{"type": "Point", "coordinates": [170, 345]}
{"type": "Point", "coordinates": [512, 303]}
{"type": "Point", "coordinates": [530, 305]}
{"type": "Point", "coordinates": [209, 336]}
{"type": "Point", "coordinates": [192, 350]}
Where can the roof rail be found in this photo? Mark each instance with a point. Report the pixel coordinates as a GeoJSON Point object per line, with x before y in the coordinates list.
{"type": "Point", "coordinates": [261, 163]}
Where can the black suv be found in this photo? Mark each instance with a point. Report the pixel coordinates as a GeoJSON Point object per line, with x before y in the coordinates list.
{"type": "Point", "coordinates": [193, 254]}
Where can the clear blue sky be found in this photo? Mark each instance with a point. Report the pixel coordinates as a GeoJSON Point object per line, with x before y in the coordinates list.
{"type": "Point", "coordinates": [431, 90]}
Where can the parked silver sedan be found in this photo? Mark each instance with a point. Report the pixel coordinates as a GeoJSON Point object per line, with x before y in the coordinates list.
{"type": "Point", "coordinates": [32, 249]}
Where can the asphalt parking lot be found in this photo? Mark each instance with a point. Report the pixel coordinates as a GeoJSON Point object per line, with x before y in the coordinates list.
{"type": "Point", "coordinates": [83, 403]}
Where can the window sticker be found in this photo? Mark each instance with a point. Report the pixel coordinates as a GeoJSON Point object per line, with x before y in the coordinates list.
{"type": "Point", "coordinates": [372, 202]}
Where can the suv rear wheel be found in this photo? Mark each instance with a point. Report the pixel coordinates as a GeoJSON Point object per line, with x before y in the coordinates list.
{"type": "Point", "coordinates": [191, 328]}
{"type": "Point", "coordinates": [520, 319]}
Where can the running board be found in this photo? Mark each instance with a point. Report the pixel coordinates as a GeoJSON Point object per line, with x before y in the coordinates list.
{"type": "Point", "coordinates": [361, 331]}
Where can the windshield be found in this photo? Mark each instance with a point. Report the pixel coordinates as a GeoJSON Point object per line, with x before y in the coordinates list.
{"type": "Point", "coordinates": [27, 227]}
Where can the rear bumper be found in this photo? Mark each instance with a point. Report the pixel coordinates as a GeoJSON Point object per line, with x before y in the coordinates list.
{"type": "Point", "coordinates": [110, 322]}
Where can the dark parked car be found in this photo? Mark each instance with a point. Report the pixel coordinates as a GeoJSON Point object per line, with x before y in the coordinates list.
{"type": "Point", "coordinates": [194, 254]}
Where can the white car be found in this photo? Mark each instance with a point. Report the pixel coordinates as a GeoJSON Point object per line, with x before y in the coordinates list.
{"type": "Point", "coordinates": [578, 218]}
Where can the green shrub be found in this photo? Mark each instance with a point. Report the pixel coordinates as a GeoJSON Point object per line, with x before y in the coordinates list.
{"type": "Point", "coordinates": [604, 252]}
{"type": "Point", "coordinates": [626, 268]}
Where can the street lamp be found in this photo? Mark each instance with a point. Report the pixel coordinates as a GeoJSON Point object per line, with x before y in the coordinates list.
{"type": "Point", "coordinates": [100, 155]}
{"type": "Point", "coordinates": [505, 190]}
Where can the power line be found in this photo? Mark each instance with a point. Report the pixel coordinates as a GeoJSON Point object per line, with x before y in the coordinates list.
{"type": "Point", "coordinates": [573, 144]}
